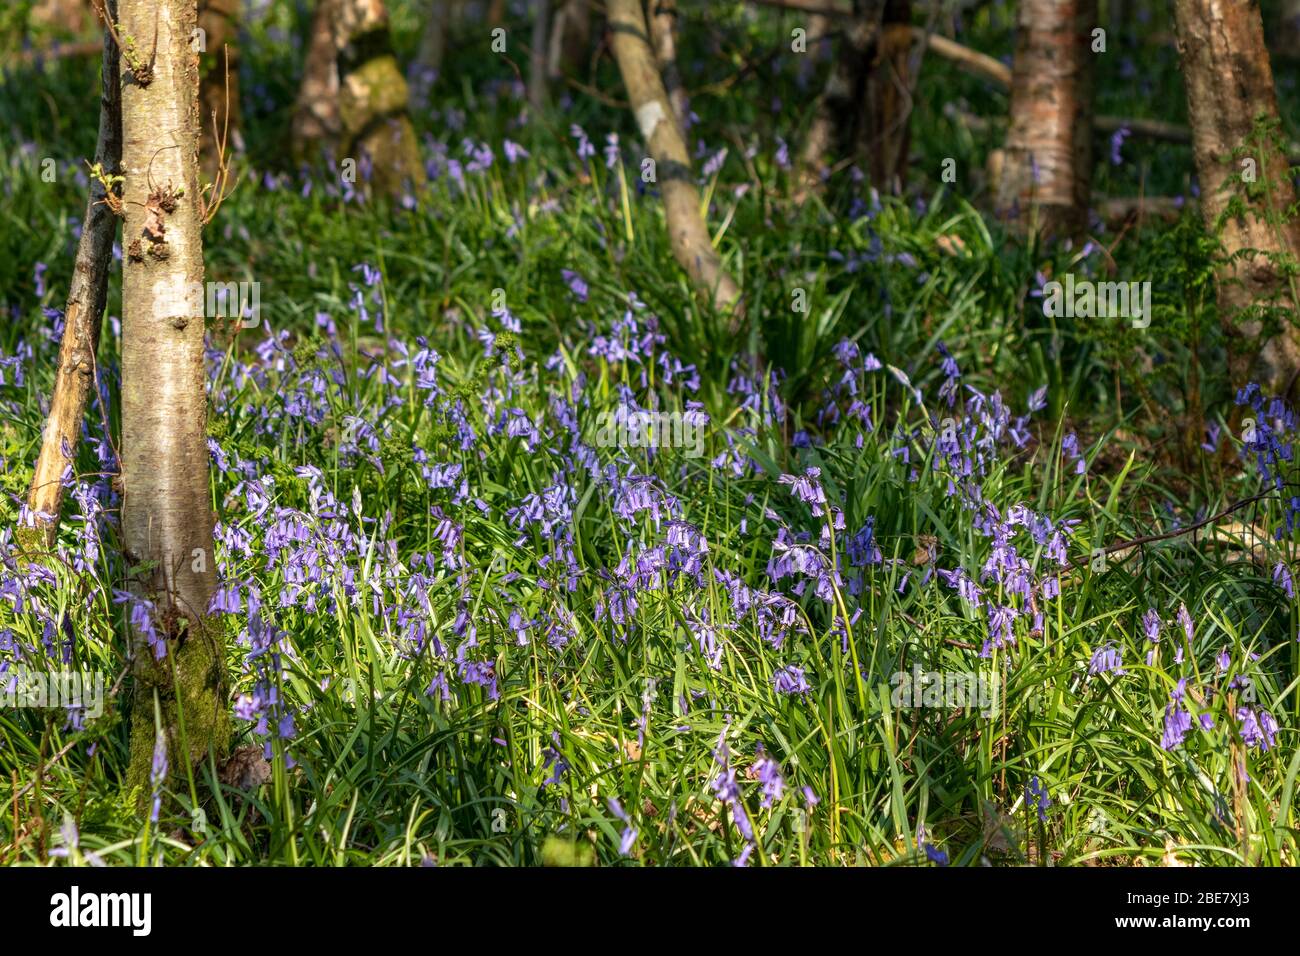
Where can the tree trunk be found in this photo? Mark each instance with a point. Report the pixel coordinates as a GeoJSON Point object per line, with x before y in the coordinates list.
{"type": "Point", "coordinates": [316, 125]}
{"type": "Point", "coordinates": [374, 100]}
{"type": "Point", "coordinates": [663, 33]}
{"type": "Point", "coordinates": [219, 86]}
{"type": "Point", "coordinates": [835, 120]}
{"type": "Point", "coordinates": [687, 231]}
{"type": "Point", "coordinates": [433, 39]}
{"type": "Point", "coordinates": [885, 132]}
{"type": "Point", "coordinates": [1229, 84]}
{"type": "Point", "coordinates": [537, 85]}
{"type": "Point", "coordinates": [1046, 174]}
{"type": "Point", "coordinates": [167, 520]}
{"type": "Point", "coordinates": [570, 38]}
{"type": "Point", "coordinates": [87, 297]}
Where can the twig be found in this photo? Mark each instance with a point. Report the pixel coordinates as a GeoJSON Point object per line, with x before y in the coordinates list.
{"type": "Point", "coordinates": [221, 185]}
{"type": "Point", "coordinates": [1177, 532]}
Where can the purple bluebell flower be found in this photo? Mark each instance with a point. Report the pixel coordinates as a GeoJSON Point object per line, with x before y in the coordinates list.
{"type": "Point", "coordinates": [158, 773]}
{"type": "Point", "coordinates": [1178, 722]}
{"type": "Point", "coordinates": [790, 680]}
{"type": "Point", "coordinates": [1106, 659]}
{"type": "Point", "coordinates": [1036, 797]}
{"type": "Point", "coordinates": [768, 772]}
{"type": "Point", "coordinates": [576, 283]}
{"type": "Point", "coordinates": [1117, 144]}
{"type": "Point", "coordinates": [1282, 578]}
{"type": "Point", "coordinates": [1258, 728]}
{"type": "Point", "coordinates": [513, 152]}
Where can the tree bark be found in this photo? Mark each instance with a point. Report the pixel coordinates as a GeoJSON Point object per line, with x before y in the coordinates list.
{"type": "Point", "coordinates": [1229, 83]}
{"type": "Point", "coordinates": [837, 113]}
{"type": "Point", "coordinates": [663, 34]}
{"type": "Point", "coordinates": [167, 519]}
{"type": "Point", "coordinates": [570, 38]}
{"type": "Point", "coordinates": [537, 79]}
{"type": "Point", "coordinates": [885, 130]}
{"type": "Point", "coordinates": [219, 86]}
{"type": "Point", "coordinates": [87, 297]}
{"type": "Point", "coordinates": [316, 125]}
{"type": "Point", "coordinates": [374, 99]}
{"type": "Point", "coordinates": [687, 232]}
{"type": "Point", "coordinates": [433, 39]}
{"type": "Point", "coordinates": [1046, 172]}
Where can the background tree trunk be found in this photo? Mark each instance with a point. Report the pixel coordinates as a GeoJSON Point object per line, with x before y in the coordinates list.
{"type": "Point", "coordinates": [570, 39]}
{"type": "Point", "coordinates": [687, 231]}
{"type": "Point", "coordinates": [167, 519]}
{"type": "Point", "coordinates": [663, 33]}
{"type": "Point", "coordinates": [1229, 84]}
{"type": "Point", "coordinates": [316, 124]}
{"type": "Point", "coordinates": [835, 121]}
{"type": "Point", "coordinates": [537, 83]}
{"type": "Point", "coordinates": [885, 131]}
{"type": "Point", "coordinates": [219, 86]}
{"type": "Point", "coordinates": [374, 99]}
{"type": "Point", "coordinates": [87, 297]}
{"type": "Point", "coordinates": [433, 39]}
{"type": "Point", "coordinates": [1046, 174]}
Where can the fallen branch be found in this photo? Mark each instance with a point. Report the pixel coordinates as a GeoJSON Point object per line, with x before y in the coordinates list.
{"type": "Point", "coordinates": [973, 61]}
{"type": "Point", "coordinates": [1124, 548]}
{"type": "Point", "coordinates": [87, 297]}
{"type": "Point", "coordinates": [1120, 209]}
{"type": "Point", "coordinates": [687, 232]}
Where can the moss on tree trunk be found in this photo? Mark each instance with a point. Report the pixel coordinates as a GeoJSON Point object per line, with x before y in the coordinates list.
{"type": "Point", "coordinates": [374, 100]}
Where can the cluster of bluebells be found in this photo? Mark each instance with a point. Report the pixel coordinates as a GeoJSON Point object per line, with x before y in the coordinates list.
{"type": "Point", "coordinates": [1268, 443]}
{"type": "Point", "coordinates": [1012, 585]}
{"type": "Point", "coordinates": [1230, 688]}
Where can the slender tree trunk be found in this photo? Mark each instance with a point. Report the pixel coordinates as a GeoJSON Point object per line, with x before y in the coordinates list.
{"type": "Point", "coordinates": [219, 86]}
{"type": "Point", "coordinates": [496, 13]}
{"type": "Point", "coordinates": [374, 99]}
{"type": "Point", "coordinates": [570, 38]}
{"type": "Point", "coordinates": [433, 39]}
{"type": "Point", "coordinates": [87, 297]}
{"type": "Point", "coordinates": [167, 519]}
{"type": "Point", "coordinates": [835, 119]}
{"type": "Point", "coordinates": [316, 124]}
{"type": "Point", "coordinates": [663, 33]}
{"type": "Point", "coordinates": [1046, 174]}
{"type": "Point", "coordinates": [687, 231]}
{"type": "Point", "coordinates": [537, 84]}
{"type": "Point", "coordinates": [885, 131]}
{"type": "Point", "coordinates": [1229, 83]}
